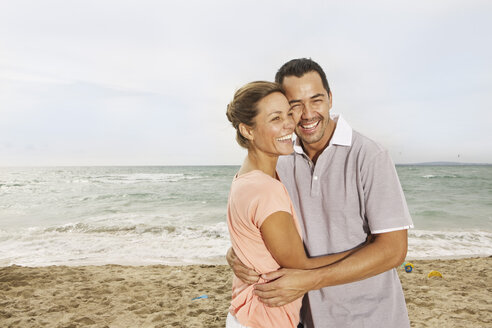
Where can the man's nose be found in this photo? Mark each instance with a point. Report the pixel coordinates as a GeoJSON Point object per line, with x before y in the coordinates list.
{"type": "Point", "coordinates": [307, 112]}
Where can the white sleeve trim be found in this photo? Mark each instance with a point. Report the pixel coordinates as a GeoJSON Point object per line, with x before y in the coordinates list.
{"type": "Point", "coordinates": [392, 229]}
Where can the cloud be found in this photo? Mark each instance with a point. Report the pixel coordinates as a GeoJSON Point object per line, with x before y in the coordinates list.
{"type": "Point", "coordinates": [147, 82]}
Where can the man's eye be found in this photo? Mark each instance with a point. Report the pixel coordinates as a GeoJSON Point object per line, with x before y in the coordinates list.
{"type": "Point", "coordinates": [275, 118]}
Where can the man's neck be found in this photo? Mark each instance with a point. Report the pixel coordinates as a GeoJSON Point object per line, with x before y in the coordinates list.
{"type": "Point", "coordinates": [314, 150]}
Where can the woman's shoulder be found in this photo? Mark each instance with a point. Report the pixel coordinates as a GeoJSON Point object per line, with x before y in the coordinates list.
{"type": "Point", "coordinates": [259, 181]}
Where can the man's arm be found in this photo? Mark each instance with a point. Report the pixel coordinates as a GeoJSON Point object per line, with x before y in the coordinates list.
{"type": "Point", "coordinates": [386, 252]}
{"type": "Point", "coordinates": [282, 240]}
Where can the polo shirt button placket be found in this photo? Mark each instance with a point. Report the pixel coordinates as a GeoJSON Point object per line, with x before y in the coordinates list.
{"type": "Point", "coordinates": [315, 185]}
{"type": "Point", "coordinates": [311, 166]}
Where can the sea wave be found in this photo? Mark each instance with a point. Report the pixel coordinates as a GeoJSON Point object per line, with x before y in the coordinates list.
{"type": "Point", "coordinates": [143, 244]}
{"type": "Point", "coordinates": [449, 244]}
{"type": "Point", "coordinates": [86, 244]}
{"type": "Point", "coordinates": [143, 178]}
{"type": "Point", "coordinates": [443, 176]}
{"type": "Point", "coordinates": [130, 178]}
{"type": "Point", "coordinates": [127, 229]}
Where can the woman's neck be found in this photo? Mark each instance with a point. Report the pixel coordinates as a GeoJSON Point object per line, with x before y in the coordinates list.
{"type": "Point", "coordinates": [265, 163]}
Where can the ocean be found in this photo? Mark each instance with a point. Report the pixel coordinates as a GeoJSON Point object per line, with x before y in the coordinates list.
{"type": "Point", "coordinates": [177, 215]}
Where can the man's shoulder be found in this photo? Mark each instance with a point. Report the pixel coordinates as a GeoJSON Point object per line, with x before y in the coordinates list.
{"type": "Point", "coordinates": [361, 143]}
{"type": "Point", "coordinates": [369, 154]}
{"type": "Point", "coordinates": [285, 168]}
{"type": "Point", "coordinates": [285, 161]}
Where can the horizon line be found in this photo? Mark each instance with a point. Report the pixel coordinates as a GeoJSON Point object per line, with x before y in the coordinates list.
{"type": "Point", "coordinates": [435, 163]}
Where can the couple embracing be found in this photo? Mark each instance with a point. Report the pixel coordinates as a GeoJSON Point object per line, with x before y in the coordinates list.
{"type": "Point", "coordinates": [317, 225]}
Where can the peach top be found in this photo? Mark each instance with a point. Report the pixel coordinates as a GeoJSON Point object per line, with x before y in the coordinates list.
{"type": "Point", "coordinates": [253, 197]}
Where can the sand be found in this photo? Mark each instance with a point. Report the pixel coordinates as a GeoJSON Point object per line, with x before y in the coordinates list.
{"type": "Point", "coordinates": [161, 296]}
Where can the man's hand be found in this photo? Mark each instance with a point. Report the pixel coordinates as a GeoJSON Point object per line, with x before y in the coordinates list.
{"type": "Point", "coordinates": [380, 253]}
{"type": "Point", "coordinates": [284, 286]}
{"type": "Point", "coordinates": [241, 271]}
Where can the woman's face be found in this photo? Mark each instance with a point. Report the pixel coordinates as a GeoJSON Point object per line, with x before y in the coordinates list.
{"type": "Point", "coordinates": [275, 124]}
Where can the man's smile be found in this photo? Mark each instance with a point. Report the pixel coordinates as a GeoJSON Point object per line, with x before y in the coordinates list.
{"type": "Point", "coordinates": [309, 126]}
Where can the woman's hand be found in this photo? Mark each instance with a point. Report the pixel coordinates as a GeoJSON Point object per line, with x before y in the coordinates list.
{"type": "Point", "coordinates": [241, 271]}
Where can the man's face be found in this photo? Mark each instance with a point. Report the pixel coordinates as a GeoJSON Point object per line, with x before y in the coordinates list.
{"type": "Point", "coordinates": [307, 95]}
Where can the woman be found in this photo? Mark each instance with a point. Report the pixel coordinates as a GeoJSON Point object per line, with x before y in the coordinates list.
{"type": "Point", "coordinates": [264, 231]}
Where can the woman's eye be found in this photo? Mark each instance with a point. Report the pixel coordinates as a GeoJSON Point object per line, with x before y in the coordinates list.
{"type": "Point", "coordinates": [275, 118]}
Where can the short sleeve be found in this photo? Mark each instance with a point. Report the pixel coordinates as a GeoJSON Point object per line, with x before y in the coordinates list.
{"type": "Point", "coordinates": [271, 198]}
{"type": "Point", "coordinates": [385, 205]}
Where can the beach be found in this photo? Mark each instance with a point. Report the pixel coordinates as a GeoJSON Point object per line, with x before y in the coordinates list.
{"type": "Point", "coordinates": [132, 246]}
{"type": "Point", "coordinates": [162, 296]}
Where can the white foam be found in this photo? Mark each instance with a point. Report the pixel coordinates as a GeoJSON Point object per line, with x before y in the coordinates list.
{"type": "Point", "coordinates": [136, 243]}
{"type": "Point", "coordinates": [432, 176]}
{"type": "Point", "coordinates": [82, 244]}
{"type": "Point", "coordinates": [142, 178]}
{"type": "Point", "coordinates": [448, 244]}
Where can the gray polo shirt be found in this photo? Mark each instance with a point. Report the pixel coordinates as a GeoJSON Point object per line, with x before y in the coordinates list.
{"type": "Point", "coordinates": [353, 189]}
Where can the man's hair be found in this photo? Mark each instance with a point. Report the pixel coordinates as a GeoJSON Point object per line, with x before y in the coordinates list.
{"type": "Point", "coordinates": [244, 106]}
{"type": "Point", "coordinates": [299, 67]}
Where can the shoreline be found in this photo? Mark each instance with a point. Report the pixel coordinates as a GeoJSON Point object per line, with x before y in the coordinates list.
{"type": "Point", "coordinates": [161, 296]}
{"type": "Point", "coordinates": [447, 257]}
{"type": "Point", "coordinates": [221, 261]}
{"type": "Point", "coordinates": [73, 244]}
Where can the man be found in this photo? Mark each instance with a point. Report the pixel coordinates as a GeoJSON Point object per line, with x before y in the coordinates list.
{"type": "Point", "coordinates": [344, 188]}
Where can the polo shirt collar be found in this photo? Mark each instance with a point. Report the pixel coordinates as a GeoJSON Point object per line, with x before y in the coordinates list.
{"type": "Point", "coordinates": [342, 136]}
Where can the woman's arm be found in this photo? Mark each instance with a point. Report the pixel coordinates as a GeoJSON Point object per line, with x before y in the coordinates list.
{"type": "Point", "coordinates": [284, 243]}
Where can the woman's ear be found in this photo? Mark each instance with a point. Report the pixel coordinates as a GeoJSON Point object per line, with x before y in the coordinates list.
{"type": "Point", "coordinates": [246, 131]}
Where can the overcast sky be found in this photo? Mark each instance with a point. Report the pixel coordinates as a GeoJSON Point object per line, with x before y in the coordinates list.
{"type": "Point", "coordinates": [147, 82]}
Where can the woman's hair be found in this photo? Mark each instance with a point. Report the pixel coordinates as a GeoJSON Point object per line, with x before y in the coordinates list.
{"type": "Point", "coordinates": [243, 107]}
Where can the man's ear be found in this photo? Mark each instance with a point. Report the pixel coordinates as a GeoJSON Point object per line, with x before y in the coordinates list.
{"type": "Point", "coordinates": [246, 131]}
{"type": "Point", "coordinates": [330, 99]}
